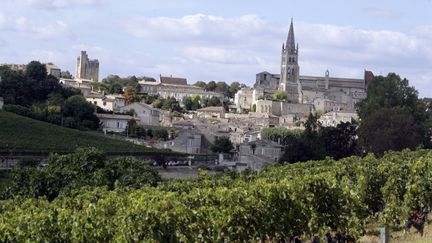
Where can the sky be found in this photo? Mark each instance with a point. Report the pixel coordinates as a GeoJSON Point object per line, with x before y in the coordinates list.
{"type": "Point", "coordinates": [224, 40]}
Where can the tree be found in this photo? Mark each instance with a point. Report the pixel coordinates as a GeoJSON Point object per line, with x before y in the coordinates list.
{"type": "Point", "coordinates": [196, 102]}
{"type": "Point", "coordinates": [157, 103]}
{"type": "Point", "coordinates": [36, 71]}
{"type": "Point", "coordinates": [211, 86]}
{"type": "Point", "coordinates": [222, 87]}
{"type": "Point", "coordinates": [222, 145]}
{"type": "Point", "coordinates": [115, 88]}
{"type": "Point", "coordinates": [66, 74]}
{"type": "Point", "coordinates": [130, 94]}
{"type": "Point", "coordinates": [390, 98]}
{"type": "Point", "coordinates": [234, 88]}
{"type": "Point", "coordinates": [81, 111]}
{"type": "Point", "coordinates": [214, 101]}
{"type": "Point", "coordinates": [171, 104]}
{"type": "Point", "coordinates": [161, 133]}
{"type": "Point", "coordinates": [280, 95]}
{"type": "Point", "coordinates": [187, 102]}
{"type": "Point", "coordinates": [339, 141]}
{"type": "Point", "coordinates": [390, 129]}
{"type": "Point", "coordinates": [201, 84]}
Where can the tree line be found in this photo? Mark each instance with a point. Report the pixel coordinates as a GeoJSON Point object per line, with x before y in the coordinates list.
{"type": "Point", "coordinates": [36, 94]}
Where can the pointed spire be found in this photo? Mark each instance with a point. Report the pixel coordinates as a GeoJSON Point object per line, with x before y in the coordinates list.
{"type": "Point", "coordinates": [290, 44]}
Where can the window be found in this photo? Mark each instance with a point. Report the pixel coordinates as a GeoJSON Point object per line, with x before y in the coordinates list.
{"type": "Point", "coordinates": [104, 103]}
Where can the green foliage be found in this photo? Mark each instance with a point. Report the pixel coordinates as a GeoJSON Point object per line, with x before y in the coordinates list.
{"type": "Point", "coordinates": [23, 134]}
{"type": "Point", "coordinates": [81, 111]}
{"type": "Point", "coordinates": [315, 142]}
{"type": "Point", "coordinates": [34, 86]}
{"type": "Point", "coordinates": [66, 74]}
{"type": "Point", "coordinates": [304, 199]}
{"type": "Point", "coordinates": [85, 167]}
{"type": "Point", "coordinates": [161, 133]}
{"type": "Point", "coordinates": [280, 95]}
{"type": "Point", "coordinates": [171, 104]}
{"type": "Point", "coordinates": [390, 111]}
{"type": "Point", "coordinates": [221, 87]}
{"type": "Point", "coordinates": [114, 84]}
{"type": "Point", "coordinates": [36, 71]}
{"type": "Point", "coordinates": [387, 129]}
{"type": "Point", "coordinates": [187, 103]}
{"type": "Point", "coordinates": [157, 103]}
{"type": "Point", "coordinates": [222, 145]}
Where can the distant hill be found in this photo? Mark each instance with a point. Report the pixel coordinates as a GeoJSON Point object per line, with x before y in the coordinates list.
{"type": "Point", "coordinates": [22, 134]}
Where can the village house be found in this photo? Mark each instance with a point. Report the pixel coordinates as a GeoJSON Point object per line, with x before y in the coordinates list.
{"type": "Point", "coordinates": [211, 112]}
{"type": "Point", "coordinates": [53, 70]}
{"type": "Point", "coordinates": [82, 84]}
{"type": "Point", "coordinates": [259, 153]}
{"type": "Point", "coordinates": [144, 114]}
{"type": "Point", "coordinates": [106, 102]}
{"type": "Point", "coordinates": [175, 87]}
{"type": "Point", "coordinates": [114, 123]}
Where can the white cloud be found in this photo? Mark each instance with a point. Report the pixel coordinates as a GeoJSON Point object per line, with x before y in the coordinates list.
{"type": "Point", "coordinates": [220, 55]}
{"type": "Point", "coordinates": [197, 27]}
{"type": "Point", "coordinates": [57, 4]}
{"type": "Point", "coordinates": [35, 29]}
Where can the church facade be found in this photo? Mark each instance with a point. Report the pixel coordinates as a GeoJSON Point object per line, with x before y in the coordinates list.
{"type": "Point", "coordinates": [304, 94]}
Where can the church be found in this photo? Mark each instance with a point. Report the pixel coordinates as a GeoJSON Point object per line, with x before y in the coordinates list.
{"type": "Point", "coordinates": [304, 93]}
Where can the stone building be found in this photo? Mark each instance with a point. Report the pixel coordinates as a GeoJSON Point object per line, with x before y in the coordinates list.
{"type": "Point", "coordinates": [82, 84]}
{"type": "Point", "coordinates": [86, 68]}
{"type": "Point", "coordinates": [114, 123]}
{"type": "Point", "coordinates": [304, 93]}
{"type": "Point", "coordinates": [259, 153]}
{"type": "Point", "coordinates": [332, 119]}
{"type": "Point", "coordinates": [186, 141]}
{"type": "Point", "coordinates": [175, 87]}
{"type": "Point", "coordinates": [211, 112]}
{"type": "Point", "coordinates": [106, 102]}
{"type": "Point", "coordinates": [53, 70]}
{"type": "Point", "coordinates": [145, 114]}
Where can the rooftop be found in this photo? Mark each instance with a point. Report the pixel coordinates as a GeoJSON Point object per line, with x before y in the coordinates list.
{"type": "Point", "coordinates": [114, 116]}
{"type": "Point", "coordinates": [173, 80]}
{"type": "Point", "coordinates": [212, 109]}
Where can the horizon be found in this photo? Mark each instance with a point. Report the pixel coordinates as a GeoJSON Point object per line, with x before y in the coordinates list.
{"type": "Point", "coordinates": [224, 41]}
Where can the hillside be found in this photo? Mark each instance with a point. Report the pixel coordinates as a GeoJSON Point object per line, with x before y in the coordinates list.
{"type": "Point", "coordinates": [22, 134]}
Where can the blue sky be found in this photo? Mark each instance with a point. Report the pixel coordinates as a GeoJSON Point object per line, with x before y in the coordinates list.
{"type": "Point", "coordinates": [227, 40]}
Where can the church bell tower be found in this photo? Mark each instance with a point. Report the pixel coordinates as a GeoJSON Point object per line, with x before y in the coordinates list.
{"type": "Point", "coordinates": [290, 70]}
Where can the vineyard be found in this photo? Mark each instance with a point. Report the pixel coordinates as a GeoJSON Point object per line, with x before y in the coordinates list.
{"type": "Point", "coordinates": [305, 199]}
{"type": "Point", "coordinates": [22, 134]}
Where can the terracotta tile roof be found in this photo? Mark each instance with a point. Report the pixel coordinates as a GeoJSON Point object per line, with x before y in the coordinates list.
{"type": "Point", "coordinates": [173, 80]}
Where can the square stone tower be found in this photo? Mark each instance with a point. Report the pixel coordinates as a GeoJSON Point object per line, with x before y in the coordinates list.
{"type": "Point", "coordinates": [86, 68]}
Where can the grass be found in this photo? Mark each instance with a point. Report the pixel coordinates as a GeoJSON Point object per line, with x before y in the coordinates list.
{"type": "Point", "coordinates": [399, 236]}
{"type": "Point", "coordinates": [22, 134]}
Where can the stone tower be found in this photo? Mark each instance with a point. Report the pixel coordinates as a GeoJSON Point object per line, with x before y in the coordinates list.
{"type": "Point", "coordinates": [290, 70]}
{"type": "Point", "coordinates": [86, 68]}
